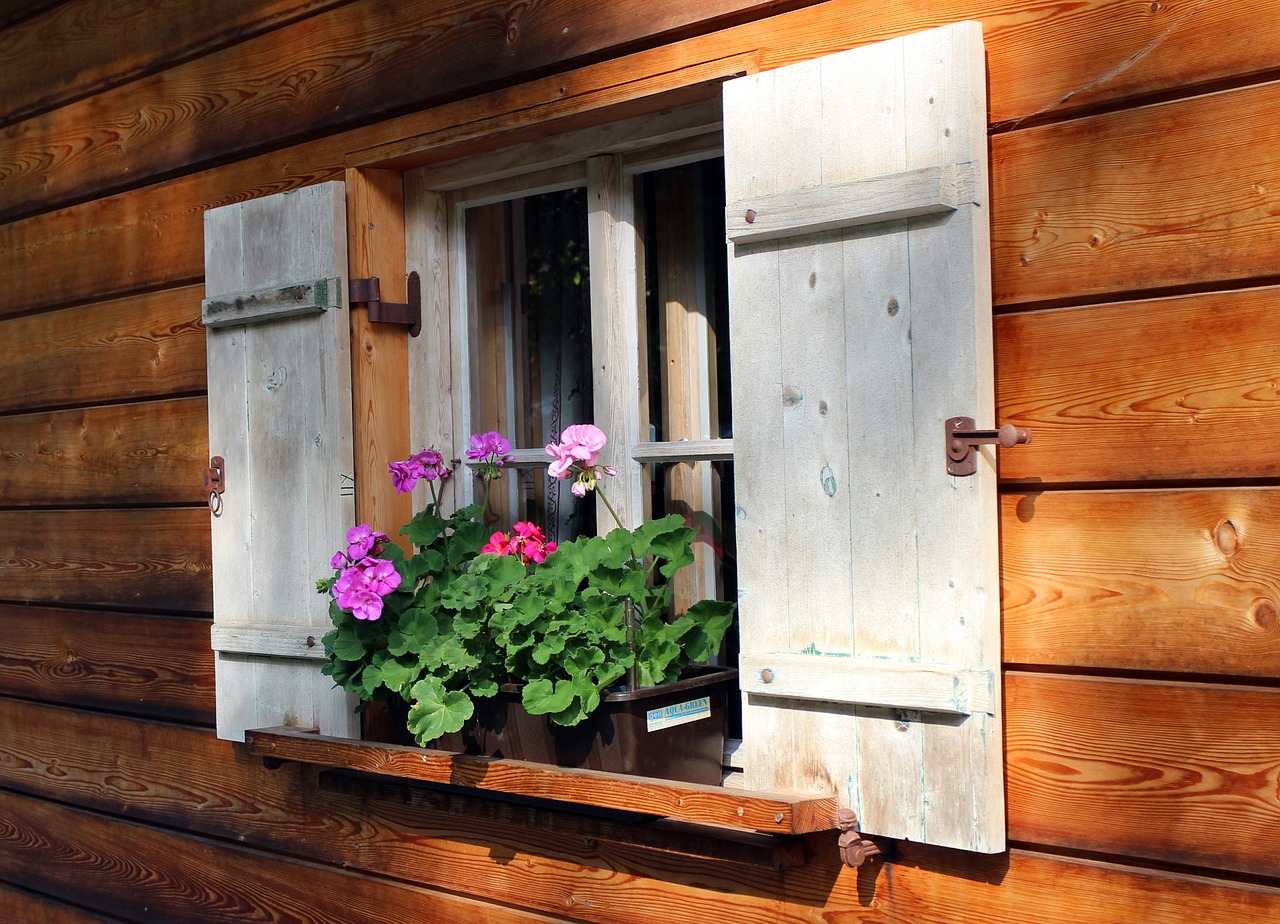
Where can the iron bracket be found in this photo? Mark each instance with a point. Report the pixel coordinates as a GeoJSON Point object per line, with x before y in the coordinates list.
{"type": "Point", "coordinates": [854, 848]}
{"type": "Point", "coordinates": [368, 292]}
{"type": "Point", "coordinates": [215, 482]}
{"type": "Point", "coordinates": [963, 442]}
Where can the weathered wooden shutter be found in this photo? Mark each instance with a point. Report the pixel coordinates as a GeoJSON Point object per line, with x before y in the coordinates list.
{"type": "Point", "coordinates": [280, 415]}
{"type": "Point", "coordinates": [861, 321]}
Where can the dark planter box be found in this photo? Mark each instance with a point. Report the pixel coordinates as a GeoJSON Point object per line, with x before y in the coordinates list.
{"type": "Point", "coordinates": [674, 731]}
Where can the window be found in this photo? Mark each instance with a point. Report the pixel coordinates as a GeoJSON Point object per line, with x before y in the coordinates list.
{"type": "Point", "coordinates": [859, 314]}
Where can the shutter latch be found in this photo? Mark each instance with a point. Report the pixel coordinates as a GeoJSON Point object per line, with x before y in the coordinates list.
{"type": "Point", "coordinates": [963, 442]}
{"type": "Point", "coordinates": [854, 848]}
{"type": "Point", "coordinates": [368, 292]}
{"type": "Point", "coordinates": [215, 482]}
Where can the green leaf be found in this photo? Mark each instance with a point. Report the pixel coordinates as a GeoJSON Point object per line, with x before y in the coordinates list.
{"type": "Point", "coordinates": [434, 712]}
{"type": "Point", "coordinates": [541, 697]}
{"type": "Point", "coordinates": [348, 645]}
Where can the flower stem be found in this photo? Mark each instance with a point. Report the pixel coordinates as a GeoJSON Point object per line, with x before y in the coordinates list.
{"type": "Point", "coordinates": [609, 507]}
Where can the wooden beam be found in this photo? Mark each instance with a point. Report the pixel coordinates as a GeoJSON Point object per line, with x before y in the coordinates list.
{"type": "Point", "coordinates": [379, 352]}
{"type": "Point", "coordinates": [1158, 390]}
{"type": "Point", "coordinates": [771, 813]}
{"type": "Point", "coordinates": [84, 47]}
{"type": "Point", "coordinates": [1104, 205]}
{"type": "Point", "coordinates": [151, 452]}
{"type": "Point", "coordinates": [1185, 581]}
{"type": "Point", "coordinates": [1174, 772]}
{"type": "Point", "coordinates": [146, 558]}
{"type": "Point", "coordinates": [159, 666]}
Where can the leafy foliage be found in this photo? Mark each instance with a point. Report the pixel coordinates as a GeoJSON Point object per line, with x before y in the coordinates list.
{"type": "Point", "coordinates": [568, 629]}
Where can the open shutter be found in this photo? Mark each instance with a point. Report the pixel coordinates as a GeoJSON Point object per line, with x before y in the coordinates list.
{"type": "Point", "coordinates": [279, 349]}
{"type": "Point", "coordinates": [861, 320]}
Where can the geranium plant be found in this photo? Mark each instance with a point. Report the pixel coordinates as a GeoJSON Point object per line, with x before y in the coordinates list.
{"type": "Point", "coordinates": [471, 609]}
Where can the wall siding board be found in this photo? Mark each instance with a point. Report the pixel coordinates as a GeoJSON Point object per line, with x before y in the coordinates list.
{"type": "Point", "coordinates": [147, 453]}
{"type": "Point", "coordinates": [145, 346]}
{"type": "Point", "coordinates": [87, 46]}
{"type": "Point", "coordinates": [1093, 201]}
{"type": "Point", "coordinates": [1109, 204]}
{"type": "Point", "coordinates": [1145, 769]}
{"type": "Point", "coordinates": [158, 666]}
{"type": "Point", "coordinates": [142, 873]}
{"type": "Point", "coordinates": [188, 779]}
{"type": "Point", "coordinates": [1161, 390]}
{"type": "Point", "coordinates": [1171, 581]}
{"type": "Point", "coordinates": [145, 559]}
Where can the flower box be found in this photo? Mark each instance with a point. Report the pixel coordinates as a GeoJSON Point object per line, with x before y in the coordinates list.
{"type": "Point", "coordinates": [674, 731]}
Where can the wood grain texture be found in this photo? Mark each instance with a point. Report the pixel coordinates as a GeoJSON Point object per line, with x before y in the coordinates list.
{"type": "Point", "coordinates": [141, 347]}
{"type": "Point", "coordinates": [137, 872]}
{"type": "Point", "coordinates": [151, 665]}
{"type": "Point", "coordinates": [84, 47]}
{"type": "Point", "coordinates": [353, 62]}
{"type": "Point", "coordinates": [155, 559]}
{"type": "Point", "coordinates": [148, 453]}
{"type": "Point", "coordinates": [769, 812]}
{"type": "Point", "coordinates": [346, 66]}
{"type": "Point", "coordinates": [1109, 204]}
{"type": "Point", "coordinates": [185, 778]}
{"type": "Point", "coordinates": [1177, 388]}
{"type": "Point", "coordinates": [1184, 581]}
{"type": "Point", "coordinates": [379, 352]}
{"type": "Point", "coordinates": [1181, 773]}
{"type": "Point", "coordinates": [28, 908]}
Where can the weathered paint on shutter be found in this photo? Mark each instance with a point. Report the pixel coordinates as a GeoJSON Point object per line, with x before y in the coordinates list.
{"type": "Point", "coordinates": [280, 414]}
{"type": "Point", "coordinates": [860, 321]}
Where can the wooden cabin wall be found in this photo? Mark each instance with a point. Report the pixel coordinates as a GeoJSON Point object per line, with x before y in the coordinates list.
{"type": "Point", "coordinates": [1135, 167]}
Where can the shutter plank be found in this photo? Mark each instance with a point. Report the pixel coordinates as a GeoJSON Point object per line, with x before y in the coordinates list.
{"type": "Point", "coordinates": [280, 414]}
{"type": "Point", "coordinates": [853, 540]}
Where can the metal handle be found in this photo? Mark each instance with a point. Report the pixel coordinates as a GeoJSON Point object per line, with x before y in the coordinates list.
{"type": "Point", "coordinates": [963, 440]}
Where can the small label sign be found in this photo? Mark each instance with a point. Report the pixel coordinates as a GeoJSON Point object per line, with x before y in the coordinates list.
{"type": "Point", "coordinates": [678, 714]}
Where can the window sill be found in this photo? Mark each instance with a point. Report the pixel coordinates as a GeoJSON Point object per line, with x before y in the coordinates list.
{"type": "Point", "coordinates": [764, 812]}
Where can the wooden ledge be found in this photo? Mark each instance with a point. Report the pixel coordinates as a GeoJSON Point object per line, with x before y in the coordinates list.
{"type": "Point", "coordinates": [766, 812]}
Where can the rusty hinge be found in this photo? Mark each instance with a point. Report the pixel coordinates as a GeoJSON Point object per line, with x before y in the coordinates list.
{"type": "Point", "coordinates": [963, 440]}
{"type": "Point", "coordinates": [369, 292]}
{"type": "Point", "coordinates": [215, 482]}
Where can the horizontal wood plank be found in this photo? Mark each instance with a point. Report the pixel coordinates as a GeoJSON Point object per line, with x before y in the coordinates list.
{"type": "Point", "coordinates": [28, 908]}
{"type": "Point", "coordinates": [151, 665]}
{"type": "Point", "coordinates": [141, 873]}
{"type": "Point", "coordinates": [1036, 58]}
{"type": "Point", "coordinates": [1185, 581]}
{"type": "Point", "coordinates": [86, 46]}
{"type": "Point", "coordinates": [1175, 388]}
{"type": "Point", "coordinates": [1180, 773]}
{"type": "Point", "coordinates": [557, 861]}
{"type": "Point", "coordinates": [141, 347]}
{"type": "Point", "coordinates": [186, 778]}
{"type": "Point", "coordinates": [774, 813]}
{"type": "Point", "coordinates": [147, 453]}
{"type": "Point", "coordinates": [156, 559]}
{"type": "Point", "coordinates": [1139, 200]}
{"type": "Point", "coordinates": [320, 74]}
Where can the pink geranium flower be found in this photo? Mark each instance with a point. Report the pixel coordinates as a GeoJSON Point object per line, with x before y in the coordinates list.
{"type": "Point", "coordinates": [579, 447]}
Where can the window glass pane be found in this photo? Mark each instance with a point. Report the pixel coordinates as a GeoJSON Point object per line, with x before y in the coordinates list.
{"type": "Point", "coordinates": [529, 306]}
{"type": "Point", "coordinates": [688, 350]}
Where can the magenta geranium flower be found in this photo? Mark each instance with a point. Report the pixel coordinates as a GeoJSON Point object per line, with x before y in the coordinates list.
{"type": "Point", "coordinates": [361, 540]}
{"type": "Point", "coordinates": [428, 464]}
{"type": "Point", "coordinates": [525, 540]}
{"type": "Point", "coordinates": [489, 447]}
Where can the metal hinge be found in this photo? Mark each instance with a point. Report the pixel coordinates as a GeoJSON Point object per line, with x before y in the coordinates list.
{"type": "Point", "coordinates": [368, 292]}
